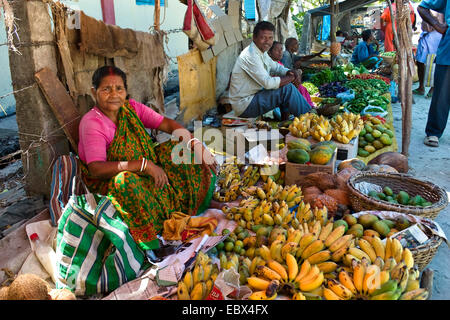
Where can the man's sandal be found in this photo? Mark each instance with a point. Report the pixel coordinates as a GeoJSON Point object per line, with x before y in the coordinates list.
{"type": "Point", "coordinates": [418, 92]}
{"type": "Point", "coordinates": [431, 141]}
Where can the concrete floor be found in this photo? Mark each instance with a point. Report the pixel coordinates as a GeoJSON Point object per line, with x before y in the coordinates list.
{"type": "Point", "coordinates": [431, 164]}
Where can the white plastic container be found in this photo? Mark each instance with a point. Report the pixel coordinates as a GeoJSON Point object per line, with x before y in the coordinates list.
{"type": "Point", "coordinates": [45, 254]}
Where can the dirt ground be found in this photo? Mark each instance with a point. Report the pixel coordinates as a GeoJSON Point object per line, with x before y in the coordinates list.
{"type": "Point", "coordinates": [431, 164]}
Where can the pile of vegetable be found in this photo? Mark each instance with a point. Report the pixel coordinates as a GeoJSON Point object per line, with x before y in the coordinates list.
{"type": "Point", "coordinates": [369, 76]}
{"type": "Point", "coordinates": [332, 89]}
{"type": "Point", "coordinates": [366, 98]}
{"type": "Point", "coordinates": [360, 85]}
{"type": "Point", "coordinates": [328, 75]}
{"type": "Point", "coordinates": [389, 54]}
{"type": "Point", "coordinates": [312, 89]}
{"type": "Point", "coordinates": [351, 69]}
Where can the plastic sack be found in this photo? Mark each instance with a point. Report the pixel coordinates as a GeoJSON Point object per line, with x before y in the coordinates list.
{"type": "Point", "coordinates": [393, 91]}
{"type": "Point", "coordinates": [381, 112]}
{"type": "Point", "coordinates": [346, 96]}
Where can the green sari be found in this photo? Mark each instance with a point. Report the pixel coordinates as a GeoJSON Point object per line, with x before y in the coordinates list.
{"type": "Point", "coordinates": [142, 206]}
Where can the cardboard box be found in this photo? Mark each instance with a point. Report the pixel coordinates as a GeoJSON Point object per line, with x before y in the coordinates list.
{"type": "Point", "coordinates": [296, 171]}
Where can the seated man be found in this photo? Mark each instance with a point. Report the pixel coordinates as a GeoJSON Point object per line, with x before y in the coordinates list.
{"type": "Point", "coordinates": [364, 53]}
{"type": "Point", "coordinates": [290, 58]}
{"type": "Point", "coordinates": [253, 91]}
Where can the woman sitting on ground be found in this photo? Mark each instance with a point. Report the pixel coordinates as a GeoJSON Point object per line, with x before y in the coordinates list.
{"type": "Point", "coordinates": [365, 54]}
{"type": "Point", "coordinates": [276, 53]}
{"type": "Point", "coordinates": [143, 180]}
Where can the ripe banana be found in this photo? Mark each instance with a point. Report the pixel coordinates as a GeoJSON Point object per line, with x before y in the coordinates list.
{"type": "Point", "coordinates": [335, 235]}
{"type": "Point", "coordinates": [305, 241]}
{"type": "Point", "coordinates": [408, 258]}
{"type": "Point", "coordinates": [313, 248]}
{"type": "Point", "coordinates": [275, 250]}
{"type": "Point", "coordinates": [379, 262]}
{"type": "Point", "coordinates": [312, 283]}
{"type": "Point", "coordinates": [326, 230]}
{"type": "Point", "coordinates": [288, 247]}
{"type": "Point", "coordinates": [182, 291]}
{"type": "Point", "coordinates": [339, 289]}
{"type": "Point", "coordinates": [368, 249]}
{"type": "Point", "coordinates": [305, 268]}
{"type": "Point", "coordinates": [316, 228]}
{"type": "Point", "coordinates": [339, 253]}
{"type": "Point", "coordinates": [188, 281]}
{"type": "Point", "coordinates": [397, 251]}
{"type": "Point", "coordinates": [347, 281]}
{"type": "Point", "coordinates": [327, 267]}
{"type": "Point", "coordinates": [328, 294]}
{"type": "Point", "coordinates": [267, 272]}
{"type": "Point", "coordinates": [278, 268]}
{"type": "Point", "coordinates": [292, 265]}
{"type": "Point", "coordinates": [389, 295]}
{"type": "Point", "coordinates": [412, 295]}
{"type": "Point", "coordinates": [358, 253]}
{"type": "Point", "coordinates": [359, 272]}
{"type": "Point", "coordinates": [340, 242]}
{"type": "Point", "coordinates": [298, 296]}
{"type": "Point", "coordinates": [378, 246]}
{"type": "Point", "coordinates": [197, 292]}
{"type": "Point", "coordinates": [198, 274]}
{"type": "Point", "coordinates": [264, 252]}
{"type": "Point", "coordinates": [371, 279]}
{"type": "Point", "coordinates": [258, 283]}
{"type": "Point", "coordinates": [388, 249]}
{"type": "Point", "coordinates": [319, 257]}
{"type": "Point", "coordinates": [261, 295]}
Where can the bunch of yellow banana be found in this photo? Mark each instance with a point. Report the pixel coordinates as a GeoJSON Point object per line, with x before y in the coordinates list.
{"type": "Point", "coordinates": [228, 184]}
{"type": "Point", "coordinates": [229, 260]}
{"type": "Point", "coordinates": [250, 177]}
{"type": "Point", "coordinates": [346, 127]}
{"type": "Point", "coordinates": [301, 126]}
{"type": "Point", "coordinates": [291, 194]}
{"type": "Point", "coordinates": [198, 282]}
{"type": "Point", "coordinates": [321, 129]}
{"type": "Point", "coordinates": [376, 281]}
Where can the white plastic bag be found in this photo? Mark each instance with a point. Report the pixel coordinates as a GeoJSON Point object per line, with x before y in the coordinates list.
{"type": "Point", "coordinates": [381, 112]}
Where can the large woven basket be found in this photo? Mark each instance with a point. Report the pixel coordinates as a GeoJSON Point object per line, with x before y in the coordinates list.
{"type": "Point", "coordinates": [397, 182]}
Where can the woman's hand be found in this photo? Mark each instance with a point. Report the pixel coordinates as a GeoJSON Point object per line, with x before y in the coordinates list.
{"type": "Point", "coordinates": [208, 160]}
{"type": "Point", "coordinates": [157, 173]}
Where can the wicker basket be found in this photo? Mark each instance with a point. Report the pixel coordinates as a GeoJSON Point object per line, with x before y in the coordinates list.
{"type": "Point", "coordinates": [425, 253]}
{"type": "Point", "coordinates": [397, 182]}
{"type": "Point", "coordinates": [422, 254]}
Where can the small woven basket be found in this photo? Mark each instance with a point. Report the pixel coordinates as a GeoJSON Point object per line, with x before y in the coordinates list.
{"type": "Point", "coordinates": [424, 254]}
{"type": "Point", "coordinates": [397, 182]}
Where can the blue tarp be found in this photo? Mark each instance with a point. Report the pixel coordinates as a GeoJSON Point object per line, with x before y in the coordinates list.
{"type": "Point", "coordinates": [250, 9]}
{"type": "Point", "coordinates": [326, 26]}
{"type": "Point", "coordinates": [148, 2]}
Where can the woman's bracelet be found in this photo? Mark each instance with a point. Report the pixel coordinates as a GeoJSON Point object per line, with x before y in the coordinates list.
{"type": "Point", "coordinates": [142, 164]}
{"type": "Point", "coordinates": [145, 165]}
{"type": "Point", "coordinates": [189, 142]}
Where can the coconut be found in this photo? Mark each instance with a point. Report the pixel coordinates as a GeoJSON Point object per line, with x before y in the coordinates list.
{"type": "Point", "coordinates": [62, 294]}
{"type": "Point", "coordinates": [28, 287]}
{"type": "Point", "coordinates": [4, 293]}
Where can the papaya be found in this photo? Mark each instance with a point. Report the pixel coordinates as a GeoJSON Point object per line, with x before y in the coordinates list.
{"type": "Point", "coordinates": [299, 144]}
{"type": "Point", "coordinates": [380, 128]}
{"type": "Point", "coordinates": [385, 139]}
{"type": "Point", "coordinates": [298, 156]}
{"type": "Point", "coordinates": [388, 191]}
{"type": "Point", "coordinates": [368, 128]}
{"type": "Point", "coordinates": [320, 156]}
{"type": "Point", "coordinates": [381, 227]}
{"type": "Point", "coordinates": [378, 144]}
{"type": "Point", "coordinates": [369, 138]}
{"type": "Point", "coordinates": [351, 220]}
{"type": "Point", "coordinates": [366, 220]}
{"type": "Point", "coordinates": [403, 197]}
{"type": "Point", "coordinates": [389, 133]}
{"type": "Point", "coordinates": [362, 143]}
{"type": "Point", "coordinates": [362, 152]}
{"type": "Point", "coordinates": [340, 222]}
{"type": "Point", "coordinates": [376, 133]}
{"type": "Point", "coordinates": [329, 144]}
{"type": "Point", "coordinates": [370, 149]}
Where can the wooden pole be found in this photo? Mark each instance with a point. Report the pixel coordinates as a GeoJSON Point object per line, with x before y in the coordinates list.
{"type": "Point", "coordinates": [157, 14]}
{"type": "Point", "coordinates": [394, 29]}
{"type": "Point", "coordinates": [406, 67]}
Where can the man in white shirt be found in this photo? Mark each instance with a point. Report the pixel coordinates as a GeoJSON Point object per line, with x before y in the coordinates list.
{"type": "Point", "coordinates": [259, 84]}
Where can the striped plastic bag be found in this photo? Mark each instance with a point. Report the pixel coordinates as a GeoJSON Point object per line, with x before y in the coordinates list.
{"type": "Point", "coordinates": [95, 251]}
{"type": "Point", "coordinates": [429, 70]}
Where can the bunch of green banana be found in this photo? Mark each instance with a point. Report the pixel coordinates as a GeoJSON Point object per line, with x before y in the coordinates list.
{"type": "Point", "coordinates": [198, 282]}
